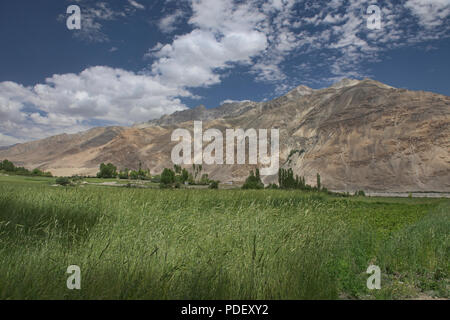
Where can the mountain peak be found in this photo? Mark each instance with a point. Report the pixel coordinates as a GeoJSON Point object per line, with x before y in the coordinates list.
{"type": "Point", "coordinates": [346, 82]}
{"type": "Point", "coordinates": [300, 91]}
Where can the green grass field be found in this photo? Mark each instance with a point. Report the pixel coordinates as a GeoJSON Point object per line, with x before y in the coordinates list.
{"type": "Point", "coordinates": [217, 244]}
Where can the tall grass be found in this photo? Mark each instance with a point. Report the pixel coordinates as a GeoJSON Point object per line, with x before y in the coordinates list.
{"type": "Point", "coordinates": [208, 244]}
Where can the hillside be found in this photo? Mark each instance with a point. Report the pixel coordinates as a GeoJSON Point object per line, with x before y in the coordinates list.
{"type": "Point", "coordinates": [356, 134]}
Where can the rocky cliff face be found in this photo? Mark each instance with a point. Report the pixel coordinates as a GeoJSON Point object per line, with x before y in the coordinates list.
{"type": "Point", "coordinates": [356, 134]}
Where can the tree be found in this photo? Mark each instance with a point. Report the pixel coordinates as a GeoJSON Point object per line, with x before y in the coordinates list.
{"type": "Point", "coordinates": [168, 177]}
{"type": "Point", "coordinates": [144, 174]}
{"type": "Point", "coordinates": [197, 169]}
{"type": "Point", "coordinates": [37, 172]}
{"type": "Point", "coordinates": [253, 182]}
{"type": "Point", "coordinates": [318, 182]}
{"type": "Point", "coordinates": [134, 175]}
{"type": "Point", "coordinates": [8, 166]}
{"type": "Point", "coordinates": [191, 179]}
{"type": "Point", "coordinates": [124, 174]}
{"type": "Point", "coordinates": [107, 171]}
{"type": "Point", "coordinates": [204, 179]}
{"type": "Point", "coordinates": [287, 180]}
{"type": "Point", "coordinates": [184, 175]}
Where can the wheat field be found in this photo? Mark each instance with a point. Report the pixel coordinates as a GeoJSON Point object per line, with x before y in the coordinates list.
{"type": "Point", "coordinates": [217, 244]}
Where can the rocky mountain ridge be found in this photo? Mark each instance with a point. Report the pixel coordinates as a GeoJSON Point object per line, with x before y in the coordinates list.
{"type": "Point", "coordinates": [358, 134]}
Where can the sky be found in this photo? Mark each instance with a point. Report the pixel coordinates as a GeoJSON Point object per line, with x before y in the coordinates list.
{"type": "Point", "coordinates": [136, 60]}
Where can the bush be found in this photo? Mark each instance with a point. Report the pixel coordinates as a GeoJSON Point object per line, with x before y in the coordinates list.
{"type": "Point", "coordinates": [76, 178]}
{"type": "Point", "coordinates": [291, 154]}
{"type": "Point", "coordinates": [214, 185]}
{"type": "Point", "coordinates": [360, 193]}
{"type": "Point", "coordinates": [63, 181]}
{"type": "Point", "coordinates": [205, 180]}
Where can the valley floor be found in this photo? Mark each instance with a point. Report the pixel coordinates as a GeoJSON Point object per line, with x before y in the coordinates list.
{"type": "Point", "coordinates": [217, 244]}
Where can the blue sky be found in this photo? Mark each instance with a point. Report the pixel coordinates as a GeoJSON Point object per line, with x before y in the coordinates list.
{"type": "Point", "coordinates": [135, 60]}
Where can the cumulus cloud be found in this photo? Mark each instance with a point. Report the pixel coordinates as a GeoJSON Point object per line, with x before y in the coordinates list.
{"type": "Point", "coordinates": [224, 34]}
{"type": "Point", "coordinates": [72, 102]}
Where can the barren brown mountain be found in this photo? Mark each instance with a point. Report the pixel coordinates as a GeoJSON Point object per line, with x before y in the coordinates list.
{"type": "Point", "coordinates": [356, 134]}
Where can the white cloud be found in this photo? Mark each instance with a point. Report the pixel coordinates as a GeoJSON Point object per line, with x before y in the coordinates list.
{"type": "Point", "coordinates": [431, 13]}
{"type": "Point", "coordinates": [136, 4]}
{"type": "Point", "coordinates": [337, 32]}
{"type": "Point", "coordinates": [192, 60]}
{"type": "Point", "coordinates": [8, 140]}
{"type": "Point", "coordinates": [263, 34]}
{"type": "Point", "coordinates": [169, 23]}
{"type": "Point", "coordinates": [224, 33]}
{"type": "Point", "coordinates": [92, 18]}
{"type": "Point", "coordinates": [72, 102]}
{"type": "Point", "coordinates": [228, 101]}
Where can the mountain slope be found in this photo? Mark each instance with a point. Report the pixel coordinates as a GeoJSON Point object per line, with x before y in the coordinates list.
{"type": "Point", "coordinates": [356, 134]}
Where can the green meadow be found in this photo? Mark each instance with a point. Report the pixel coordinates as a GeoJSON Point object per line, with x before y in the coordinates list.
{"type": "Point", "coordinates": [217, 244]}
